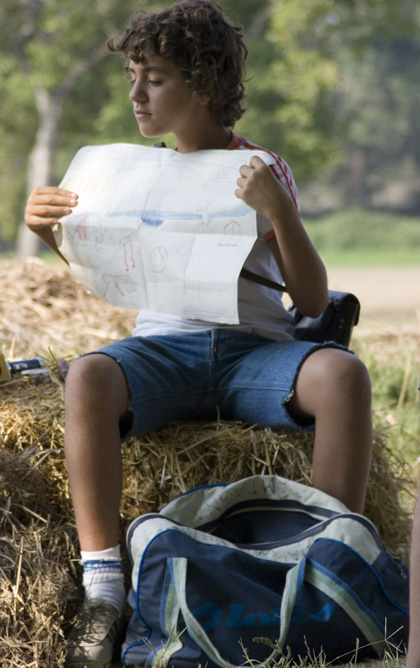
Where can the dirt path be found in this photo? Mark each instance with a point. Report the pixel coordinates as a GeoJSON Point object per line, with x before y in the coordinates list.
{"type": "Point", "coordinates": [388, 297]}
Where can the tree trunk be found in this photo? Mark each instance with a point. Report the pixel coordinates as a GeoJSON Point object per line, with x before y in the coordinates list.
{"type": "Point", "coordinates": [358, 192]}
{"type": "Point", "coordinates": [40, 162]}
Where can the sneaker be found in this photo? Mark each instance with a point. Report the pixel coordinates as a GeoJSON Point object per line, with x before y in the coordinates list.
{"type": "Point", "coordinates": [92, 641]}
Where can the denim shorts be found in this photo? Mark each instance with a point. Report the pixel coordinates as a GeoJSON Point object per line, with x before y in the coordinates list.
{"type": "Point", "coordinates": [212, 374]}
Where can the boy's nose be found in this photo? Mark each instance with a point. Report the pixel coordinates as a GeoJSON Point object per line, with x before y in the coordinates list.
{"type": "Point", "coordinates": [138, 92]}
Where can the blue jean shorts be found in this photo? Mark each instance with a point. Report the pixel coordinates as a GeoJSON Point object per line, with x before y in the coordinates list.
{"type": "Point", "coordinates": [212, 374]}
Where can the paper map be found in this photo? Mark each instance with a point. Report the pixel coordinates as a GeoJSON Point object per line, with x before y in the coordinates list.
{"type": "Point", "coordinates": [159, 230]}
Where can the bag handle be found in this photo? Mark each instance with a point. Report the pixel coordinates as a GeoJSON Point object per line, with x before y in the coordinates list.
{"type": "Point", "coordinates": [338, 592]}
{"type": "Point", "coordinates": [320, 578]}
{"type": "Point", "coordinates": [304, 571]}
{"type": "Point", "coordinates": [178, 570]}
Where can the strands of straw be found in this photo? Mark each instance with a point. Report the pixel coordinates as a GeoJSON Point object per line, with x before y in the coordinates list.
{"type": "Point", "coordinates": [42, 307]}
{"type": "Point", "coordinates": [44, 311]}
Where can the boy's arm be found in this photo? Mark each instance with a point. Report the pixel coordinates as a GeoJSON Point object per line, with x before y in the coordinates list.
{"type": "Point", "coordinates": [301, 267]}
{"type": "Point", "coordinates": [44, 208]}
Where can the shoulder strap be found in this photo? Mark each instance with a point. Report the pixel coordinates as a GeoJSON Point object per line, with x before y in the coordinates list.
{"type": "Point", "coordinates": [245, 273]}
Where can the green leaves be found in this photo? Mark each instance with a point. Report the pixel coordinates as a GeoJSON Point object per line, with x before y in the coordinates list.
{"type": "Point", "coordinates": [331, 84]}
{"type": "Point", "coordinates": [291, 80]}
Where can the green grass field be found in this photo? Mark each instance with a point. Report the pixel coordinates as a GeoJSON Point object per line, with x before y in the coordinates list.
{"type": "Point", "coordinates": [354, 238]}
{"type": "Point", "coordinates": [370, 257]}
{"type": "Point", "coordinates": [393, 362]}
{"type": "Point", "coordinates": [366, 257]}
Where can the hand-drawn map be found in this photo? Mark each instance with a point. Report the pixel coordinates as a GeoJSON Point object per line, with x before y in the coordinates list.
{"type": "Point", "coordinates": [159, 230]}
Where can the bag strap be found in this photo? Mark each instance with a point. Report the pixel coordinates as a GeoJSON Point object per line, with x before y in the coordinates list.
{"type": "Point", "coordinates": [308, 571]}
{"type": "Point", "coordinates": [178, 569]}
{"type": "Point", "coordinates": [245, 273]}
{"type": "Point", "coordinates": [304, 571]}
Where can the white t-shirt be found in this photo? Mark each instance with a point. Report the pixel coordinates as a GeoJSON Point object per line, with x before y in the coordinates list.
{"type": "Point", "coordinates": [260, 308]}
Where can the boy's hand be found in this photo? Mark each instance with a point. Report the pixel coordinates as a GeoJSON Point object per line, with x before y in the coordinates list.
{"type": "Point", "coordinates": [46, 205]}
{"type": "Point", "coordinates": [44, 208]}
{"type": "Point", "coordinates": [261, 190]}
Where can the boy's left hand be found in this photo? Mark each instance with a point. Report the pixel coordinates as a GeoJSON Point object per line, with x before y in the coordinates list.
{"type": "Point", "coordinates": [261, 190]}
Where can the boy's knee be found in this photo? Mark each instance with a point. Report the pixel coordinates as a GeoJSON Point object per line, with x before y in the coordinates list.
{"type": "Point", "coordinates": [356, 372]}
{"type": "Point", "coordinates": [86, 370]}
{"type": "Point", "coordinates": [338, 371]}
{"type": "Point", "coordinates": [93, 375]}
{"type": "Point", "coordinates": [350, 376]}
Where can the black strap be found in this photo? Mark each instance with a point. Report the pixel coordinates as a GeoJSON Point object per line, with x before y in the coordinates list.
{"type": "Point", "coordinates": [245, 273]}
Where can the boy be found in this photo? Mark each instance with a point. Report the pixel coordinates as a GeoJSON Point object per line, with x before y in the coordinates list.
{"type": "Point", "coordinates": [185, 65]}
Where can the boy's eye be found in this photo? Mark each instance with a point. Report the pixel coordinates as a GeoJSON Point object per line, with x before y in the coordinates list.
{"type": "Point", "coordinates": [129, 78]}
{"type": "Point", "coordinates": [155, 82]}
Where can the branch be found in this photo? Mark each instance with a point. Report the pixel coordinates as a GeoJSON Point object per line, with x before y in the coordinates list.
{"type": "Point", "coordinates": [82, 66]}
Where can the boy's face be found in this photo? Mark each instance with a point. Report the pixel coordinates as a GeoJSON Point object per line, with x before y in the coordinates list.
{"type": "Point", "coordinates": [162, 101]}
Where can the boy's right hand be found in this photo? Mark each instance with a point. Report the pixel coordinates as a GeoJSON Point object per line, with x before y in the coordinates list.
{"type": "Point", "coordinates": [45, 206]}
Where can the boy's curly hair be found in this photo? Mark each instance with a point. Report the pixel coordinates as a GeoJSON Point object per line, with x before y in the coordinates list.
{"type": "Point", "coordinates": [207, 48]}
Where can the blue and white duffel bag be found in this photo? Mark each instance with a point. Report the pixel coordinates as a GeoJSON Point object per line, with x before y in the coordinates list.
{"type": "Point", "coordinates": [247, 572]}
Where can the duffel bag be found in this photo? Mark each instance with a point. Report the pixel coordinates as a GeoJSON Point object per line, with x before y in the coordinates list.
{"type": "Point", "coordinates": [247, 572]}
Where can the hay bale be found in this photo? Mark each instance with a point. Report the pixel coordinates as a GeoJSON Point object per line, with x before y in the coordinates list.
{"type": "Point", "coordinates": [38, 578]}
{"type": "Point", "coordinates": [42, 308]}
{"type": "Point", "coordinates": [162, 464]}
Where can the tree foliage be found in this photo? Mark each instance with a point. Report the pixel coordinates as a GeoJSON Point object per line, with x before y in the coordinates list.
{"type": "Point", "coordinates": [51, 47]}
{"type": "Point", "coordinates": [376, 47]}
{"type": "Point", "coordinates": [332, 86]}
{"type": "Point", "coordinates": [291, 81]}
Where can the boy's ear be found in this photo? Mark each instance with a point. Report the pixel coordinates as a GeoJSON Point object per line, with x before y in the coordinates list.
{"type": "Point", "coordinates": [202, 98]}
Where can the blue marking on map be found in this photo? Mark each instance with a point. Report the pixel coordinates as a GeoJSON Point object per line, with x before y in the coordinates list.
{"type": "Point", "coordinates": [153, 222]}
{"type": "Point", "coordinates": [156, 218]}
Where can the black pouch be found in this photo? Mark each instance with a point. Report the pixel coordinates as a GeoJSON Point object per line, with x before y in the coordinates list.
{"type": "Point", "coordinates": [334, 324]}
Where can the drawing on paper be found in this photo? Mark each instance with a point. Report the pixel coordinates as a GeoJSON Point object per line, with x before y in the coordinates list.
{"type": "Point", "coordinates": [159, 230]}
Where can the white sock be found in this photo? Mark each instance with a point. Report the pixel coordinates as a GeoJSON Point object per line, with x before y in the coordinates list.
{"type": "Point", "coordinates": [103, 576]}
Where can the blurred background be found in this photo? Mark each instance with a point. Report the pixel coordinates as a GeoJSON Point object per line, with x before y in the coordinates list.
{"type": "Point", "coordinates": [333, 87]}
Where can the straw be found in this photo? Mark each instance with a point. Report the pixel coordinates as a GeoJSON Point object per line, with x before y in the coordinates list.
{"type": "Point", "coordinates": [44, 311]}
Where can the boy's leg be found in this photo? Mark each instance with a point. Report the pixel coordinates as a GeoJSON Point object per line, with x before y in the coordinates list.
{"type": "Point", "coordinates": [159, 379]}
{"type": "Point", "coordinates": [162, 387]}
{"type": "Point", "coordinates": [333, 386]}
{"type": "Point", "coordinates": [300, 385]}
{"type": "Point", "coordinates": [96, 400]}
